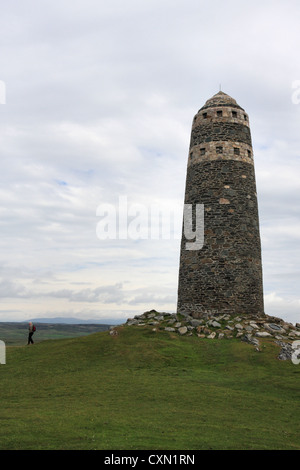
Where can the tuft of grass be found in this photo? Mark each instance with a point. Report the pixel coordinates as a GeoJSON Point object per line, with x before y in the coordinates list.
{"type": "Point", "coordinates": [148, 390]}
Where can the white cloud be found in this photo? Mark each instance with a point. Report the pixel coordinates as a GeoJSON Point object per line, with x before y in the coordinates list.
{"type": "Point", "coordinates": [283, 307]}
{"type": "Point", "coordinates": [100, 98]}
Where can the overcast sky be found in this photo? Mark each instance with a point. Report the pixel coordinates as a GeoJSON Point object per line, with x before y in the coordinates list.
{"type": "Point", "coordinates": [97, 101]}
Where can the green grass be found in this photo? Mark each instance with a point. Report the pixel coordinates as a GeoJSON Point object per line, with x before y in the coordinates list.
{"type": "Point", "coordinates": [16, 333]}
{"type": "Point", "coordinates": [146, 390]}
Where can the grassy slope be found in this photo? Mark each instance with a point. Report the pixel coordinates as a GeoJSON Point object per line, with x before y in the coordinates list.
{"type": "Point", "coordinates": [16, 333]}
{"type": "Point", "coordinates": [146, 390]}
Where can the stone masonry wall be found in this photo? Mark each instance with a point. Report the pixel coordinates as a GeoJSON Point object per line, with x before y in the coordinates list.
{"type": "Point", "coordinates": [220, 131]}
{"type": "Point", "coordinates": [225, 276]}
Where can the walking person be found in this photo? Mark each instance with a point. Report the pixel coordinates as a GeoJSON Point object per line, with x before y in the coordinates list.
{"type": "Point", "coordinates": [31, 331]}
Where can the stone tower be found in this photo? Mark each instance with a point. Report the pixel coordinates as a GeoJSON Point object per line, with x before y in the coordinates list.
{"type": "Point", "coordinates": [225, 275]}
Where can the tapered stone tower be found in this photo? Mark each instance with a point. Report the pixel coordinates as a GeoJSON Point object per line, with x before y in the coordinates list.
{"type": "Point", "coordinates": [225, 275]}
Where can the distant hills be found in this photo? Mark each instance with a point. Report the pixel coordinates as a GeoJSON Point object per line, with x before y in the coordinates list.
{"type": "Point", "coordinates": [16, 333]}
{"type": "Point", "coordinates": [79, 321]}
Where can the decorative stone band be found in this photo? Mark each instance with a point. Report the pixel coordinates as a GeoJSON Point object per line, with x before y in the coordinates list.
{"type": "Point", "coordinates": [215, 131]}
{"type": "Point", "coordinates": [221, 114]}
{"type": "Point", "coordinates": [221, 150]}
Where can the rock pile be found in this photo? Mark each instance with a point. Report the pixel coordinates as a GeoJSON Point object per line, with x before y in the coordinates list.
{"type": "Point", "coordinates": [246, 327]}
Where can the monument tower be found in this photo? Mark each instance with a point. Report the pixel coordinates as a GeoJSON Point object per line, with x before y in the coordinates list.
{"type": "Point", "coordinates": [225, 275]}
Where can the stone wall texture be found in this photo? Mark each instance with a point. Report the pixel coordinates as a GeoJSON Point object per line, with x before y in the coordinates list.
{"type": "Point", "coordinates": [225, 275]}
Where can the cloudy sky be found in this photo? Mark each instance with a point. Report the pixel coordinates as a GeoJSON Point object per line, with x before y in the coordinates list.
{"type": "Point", "coordinates": [97, 100]}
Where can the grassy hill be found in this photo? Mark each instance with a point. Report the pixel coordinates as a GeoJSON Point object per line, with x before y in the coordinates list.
{"type": "Point", "coordinates": [146, 390]}
{"type": "Point", "coordinates": [16, 333]}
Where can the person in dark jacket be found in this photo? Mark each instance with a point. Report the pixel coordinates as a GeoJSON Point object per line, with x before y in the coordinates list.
{"type": "Point", "coordinates": [31, 331]}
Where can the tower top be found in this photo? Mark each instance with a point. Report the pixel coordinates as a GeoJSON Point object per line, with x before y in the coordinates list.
{"type": "Point", "coordinates": [221, 99]}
